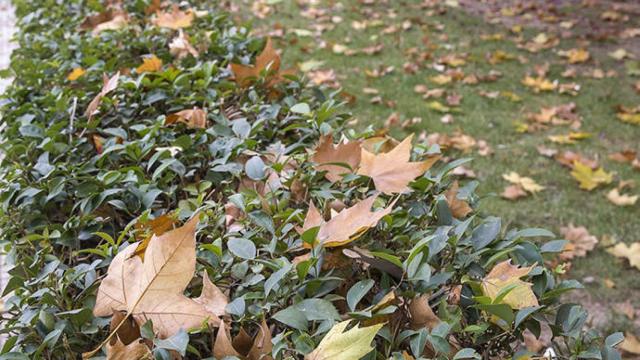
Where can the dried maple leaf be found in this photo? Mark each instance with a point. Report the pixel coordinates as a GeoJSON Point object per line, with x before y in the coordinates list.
{"type": "Point", "coordinates": [575, 56]}
{"type": "Point", "coordinates": [459, 208]}
{"type": "Point", "coordinates": [176, 19]}
{"type": "Point", "coordinates": [348, 225]}
{"type": "Point", "coordinates": [76, 73]}
{"type": "Point", "coordinates": [268, 60]}
{"type": "Point", "coordinates": [336, 160]}
{"type": "Point", "coordinates": [147, 229]}
{"type": "Point", "coordinates": [153, 289]}
{"type": "Point", "coordinates": [211, 297]}
{"type": "Point", "coordinates": [422, 316]}
{"type": "Point", "coordinates": [631, 344]}
{"type": "Point", "coordinates": [568, 158]}
{"type": "Point", "coordinates": [527, 183]}
{"type": "Point", "coordinates": [111, 19]}
{"type": "Point", "coordinates": [180, 46]}
{"type": "Point", "coordinates": [195, 118]}
{"type": "Point", "coordinates": [513, 192]}
{"type": "Point", "coordinates": [621, 199]}
{"type": "Point", "coordinates": [539, 84]}
{"type": "Point", "coordinates": [392, 171]}
{"type": "Point", "coordinates": [623, 156]}
{"type": "Point", "coordinates": [136, 350]}
{"type": "Point", "coordinates": [108, 85]}
{"type": "Point", "coordinates": [505, 275]}
{"type": "Point", "coordinates": [629, 252]}
{"type": "Point", "coordinates": [243, 346]}
{"type": "Point", "coordinates": [150, 64]}
{"type": "Point", "coordinates": [579, 242]}
{"type": "Point", "coordinates": [588, 178]}
{"type": "Point", "coordinates": [629, 115]}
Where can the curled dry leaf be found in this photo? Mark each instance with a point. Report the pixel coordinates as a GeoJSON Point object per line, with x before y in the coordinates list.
{"type": "Point", "coordinates": [505, 275]}
{"type": "Point", "coordinates": [588, 178]}
{"type": "Point", "coordinates": [108, 85]}
{"type": "Point", "coordinates": [568, 158]}
{"type": "Point", "coordinates": [579, 242]}
{"type": "Point", "coordinates": [150, 64]}
{"type": "Point", "coordinates": [339, 344]}
{"type": "Point", "coordinates": [243, 346]}
{"type": "Point", "coordinates": [336, 160]}
{"type": "Point", "coordinates": [422, 316]}
{"type": "Point", "coordinates": [526, 183]}
{"type": "Point", "coordinates": [347, 225]}
{"type": "Point", "coordinates": [136, 350]}
{"type": "Point", "coordinates": [180, 46]}
{"type": "Point", "coordinates": [153, 289]}
{"type": "Point", "coordinates": [459, 208]}
{"type": "Point", "coordinates": [392, 171]}
{"type": "Point", "coordinates": [195, 118]}
{"type": "Point", "coordinates": [621, 199]}
{"type": "Point", "coordinates": [629, 252]}
{"type": "Point", "coordinates": [176, 19]}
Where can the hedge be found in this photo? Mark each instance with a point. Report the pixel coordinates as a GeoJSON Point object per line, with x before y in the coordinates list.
{"type": "Point", "coordinates": [132, 126]}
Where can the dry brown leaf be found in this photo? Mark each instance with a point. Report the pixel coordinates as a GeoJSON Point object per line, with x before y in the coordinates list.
{"type": "Point", "coordinates": [347, 225]}
{"type": "Point", "coordinates": [568, 158]}
{"type": "Point", "coordinates": [111, 19]}
{"type": "Point", "coordinates": [244, 346]}
{"type": "Point", "coordinates": [579, 242]}
{"type": "Point", "coordinates": [629, 252]}
{"type": "Point", "coordinates": [268, 60]}
{"type": "Point", "coordinates": [624, 156]}
{"type": "Point", "coordinates": [575, 56]}
{"type": "Point", "coordinates": [422, 316]}
{"type": "Point", "coordinates": [153, 289]}
{"type": "Point", "coordinates": [127, 332]}
{"type": "Point", "coordinates": [621, 199]}
{"type": "Point", "coordinates": [211, 297]}
{"type": "Point", "coordinates": [108, 85]}
{"type": "Point", "coordinates": [333, 158]}
{"type": "Point", "coordinates": [176, 19]}
{"type": "Point", "coordinates": [459, 208]}
{"type": "Point", "coordinates": [149, 228]}
{"type": "Point", "coordinates": [631, 344]}
{"type": "Point", "coordinates": [136, 350]}
{"type": "Point", "coordinates": [150, 64]}
{"type": "Point", "coordinates": [195, 118]}
{"type": "Point", "coordinates": [505, 275]}
{"type": "Point", "coordinates": [513, 192]}
{"type": "Point", "coordinates": [180, 46]}
{"type": "Point", "coordinates": [222, 346]}
{"type": "Point", "coordinates": [392, 171]}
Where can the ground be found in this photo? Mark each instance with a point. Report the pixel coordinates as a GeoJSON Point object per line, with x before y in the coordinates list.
{"type": "Point", "coordinates": [385, 55]}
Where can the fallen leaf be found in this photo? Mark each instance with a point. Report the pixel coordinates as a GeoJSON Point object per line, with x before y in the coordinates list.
{"type": "Point", "coordinates": [579, 242]}
{"type": "Point", "coordinates": [108, 85]}
{"type": "Point", "coordinates": [631, 344]}
{"type": "Point", "coordinates": [629, 252]}
{"type": "Point", "coordinates": [76, 73]}
{"type": "Point", "coordinates": [422, 316]}
{"type": "Point", "coordinates": [621, 199]}
{"type": "Point", "coordinates": [147, 229]}
{"type": "Point", "coordinates": [136, 350]}
{"type": "Point", "coordinates": [392, 171]}
{"type": "Point", "coordinates": [268, 60]}
{"type": "Point", "coordinates": [539, 84]}
{"type": "Point", "coordinates": [513, 192]}
{"type": "Point", "coordinates": [195, 118]}
{"type": "Point", "coordinates": [527, 183]}
{"type": "Point", "coordinates": [211, 297]}
{"type": "Point", "coordinates": [180, 46]}
{"type": "Point", "coordinates": [505, 275]}
{"type": "Point", "coordinates": [569, 138]}
{"type": "Point", "coordinates": [629, 115]}
{"type": "Point", "coordinates": [149, 64]}
{"type": "Point", "coordinates": [568, 158]}
{"type": "Point", "coordinates": [459, 208]}
{"type": "Point", "coordinates": [176, 19]}
{"type": "Point", "coordinates": [336, 160]}
{"type": "Point", "coordinates": [339, 344]}
{"type": "Point", "coordinates": [111, 19]}
{"type": "Point", "coordinates": [575, 56]}
{"type": "Point", "coordinates": [588, 178]}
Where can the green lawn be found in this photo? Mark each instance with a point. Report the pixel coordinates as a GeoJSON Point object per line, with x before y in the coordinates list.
{"type": "Point", "coordinates": [492, 120]}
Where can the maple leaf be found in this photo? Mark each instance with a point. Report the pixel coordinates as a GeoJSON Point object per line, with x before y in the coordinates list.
{"type": "Point", "coordinates": [136, 350]}
{"type": "Point", "coordinates": [153, 289]}
{"type": "Point", "coordinates": [339, 344]}
{"type": "Point", "coordinates": [631, 344]}
{"type": "Point", "coordinates": [629, 252]}
{"type": "Point", "coordinates": [211, 297]}
{"type": "Point", "coordinates": [526, 183]}
{"type": "Point", "coordinates": [195, 118]}
{"type": "Point", "coordinates": [147, 229]}
{"type": "Point", "coordinates": [347, 225]}
{"type": "Point", "coordinates": [621, 199]}
{"type": "Point", "coordinates": [176, 19]}
{"type": "Point", "coordinates": [579, 242]}
{"type": "Point", "coordinates": [336, 160]}
{"type": "Point", "coordinates": [588, 178]}
{"type": "Point", "coordinates": [392, 171]}
{"type": "Point", "coordinates": [513, 192]}
{"type": "Point", "coordinates": [505, 275]}
{"type": "Point", "coordinates": [422, 316]}
{"type": "Point", "coordinates": [539, 84]}
{"type": "Point", "coordinates": [150, 64]}
{"type": "Point", "coordinates": [243, 346]}
{"type": "Point", "coordinates": [459, 208]}
{"type": "Point", "coordinates": [76, 73]}
{"type": "Point", "coordinates": [569, 138]}
{"type": "Point", "coordinates": [268, 60]}
{"type": "Point", "coordinates": [181, 47]}
{"type": "Point", "coordinates": [111, 19]}
{"type": "Point", "coordinates": [575, 56]}
{"type": "Point", "coordinates": [108, 85]}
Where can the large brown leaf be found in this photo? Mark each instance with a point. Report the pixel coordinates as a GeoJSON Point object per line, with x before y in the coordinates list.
{"type": "Point", "coordinates": [333, 158]}
{"type": "Point", "coordinates": [392, 171]}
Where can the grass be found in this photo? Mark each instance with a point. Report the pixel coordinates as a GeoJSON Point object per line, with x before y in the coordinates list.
{"type": "Point", "coordinates": [455, 32]}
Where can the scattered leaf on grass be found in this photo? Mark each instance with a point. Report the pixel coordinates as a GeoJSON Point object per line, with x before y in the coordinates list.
{"type": "Point", "coordinates": [629, 252]}
{"type": "Point", "coordinates": [588, 178]}
{"type": "Point", "coordinates": [579, 242]}
{"type": "Point", "coordinates": [621, 199]}
{"type": "Point", "coordinates": [527, 183]}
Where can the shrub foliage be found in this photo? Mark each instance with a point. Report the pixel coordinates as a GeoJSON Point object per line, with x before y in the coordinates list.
{"type": "Point", "coordinates": [123, 124]}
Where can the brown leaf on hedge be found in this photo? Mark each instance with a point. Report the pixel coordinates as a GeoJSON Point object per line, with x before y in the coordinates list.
{"type": "Point", "coordinates": [269, 60]}
{"type": "Point", "coordinates": [631, 344]}
{"type": "Point", "coordinates": [149, 228]}
{"type": "Point", "coordinates": [111, 19]}
{"type": "Point", "coordinates": [195, 118]}
{"type": "Point", "coordinates": [312, 219]}
{"type": "Point", "coordinates": [392, 171]}
{"type": "Point", "coordinates": [212, 298]}
{"type": "Point", "coordinates": [244, 346]}
{"type": "Point", "coordinates": [150, 64]}
{"type": "Point", "coordinates": [108, 85]}
{"type": "Point", "coordinates": [153, 289]}
{"type": "Point", "coordinates": [579, 242]}
{"type": "Point", "coordinates": [505, 275]}
{"type": "Point", "coordinates": [180, 46]}
{"type": "Point", "coordinates": [176, 19]}
{"type": "Point", "coordinates": [336, 160]}
{"type": "Point", "coordinates": [422, 316]}
{"type": "Point", "coordinates": [350, 223]}
{"type": "Point", "coordinates": [459, 208]}
{"type": "Point", "coordinates": [127, 332]}
{"type": "Point", "coordinates": [222, 345]}
{"type": "Point", "coordinates": [136, 350]}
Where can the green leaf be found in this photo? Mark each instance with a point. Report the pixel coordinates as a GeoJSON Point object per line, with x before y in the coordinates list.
{"type": "Point", "coordinates": [484, 234]}
{"type": "Point", "coordinates": [357, 292]}
{"type": "Point", "coordinates": [255, 168]}
{"type": "Point", "coordinates": [301, 108]}
{"type": "Point", "coordinates": [242, 248]}
{"type": "Point", "coordinates": [292, 317]}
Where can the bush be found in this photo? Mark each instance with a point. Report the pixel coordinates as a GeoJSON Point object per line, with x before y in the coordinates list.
{"type": "Point", "coordinates": [253, 164]}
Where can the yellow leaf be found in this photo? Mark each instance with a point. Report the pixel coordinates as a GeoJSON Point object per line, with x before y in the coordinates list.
{"type": "Point", "coordinates": [527, 184]}
{"type": "Point", "coordinates": [392, 171]}
{"type": "Point", "coordinates": [150, 64]}
{"type": "Point", "coordinates": [441, 79]}
{"type": "Point", "coordinates": [505, 275]}
{"type": "Point", "coordinates": [176, 19]}
{"type": "Point", "coordinates": [629, 252]}
{"type": "Point", "coordinates": [76, 74]}
{"type": "Point", "coordinates": [588, 178]}
{"type": "Point", "coordinates": [569, 138]}
{"type": "Point", "coordinates": [621, 199]}
{"type": "Point", "coordinates": [339, 344]}
{"type": "Point", "coordinates": [539, 84]}
{"type": "Point", "coordinates": [630, 118]}
{"type": "Point", "coordinates": [336, 160]}
{"type": "Point", "coordinates": [575, 56]}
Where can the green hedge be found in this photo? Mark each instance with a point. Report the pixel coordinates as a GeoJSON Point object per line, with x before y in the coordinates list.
{"type": "Point", "coordinates": [77, 189]}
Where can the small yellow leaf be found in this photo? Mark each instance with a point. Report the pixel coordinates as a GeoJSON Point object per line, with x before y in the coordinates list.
{"type": "Point", "coordinates": [505, 275]}
{"type": "Point", "coordinates": [539, 84]}
{"type": "Point", "coordinates": [76, 74]}
{"type": "Point", "coordinates": [621, 199]}
{"type": "Point", "coordinates": [588, 178]}
{"type": "Point", "coordinates": [150, 64]}
{"type": "Point", "coordinates": [339, 344]}
{"type": "Point", "coordinates": [441, 79]}
{"type": "Point", "coordinates": [575, 56]}
{"type": "Point", "coordinates": [527, 184]}
{"type": "Point", "coordinates": [629, 252]}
